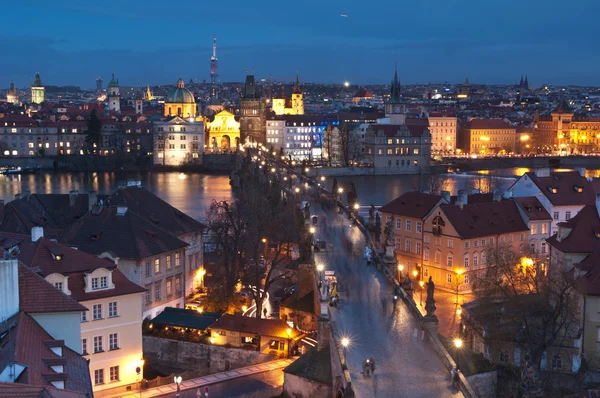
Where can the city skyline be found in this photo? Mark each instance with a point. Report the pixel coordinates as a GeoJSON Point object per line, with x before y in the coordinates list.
{"type": "Point", "coordinates": [325, 43]}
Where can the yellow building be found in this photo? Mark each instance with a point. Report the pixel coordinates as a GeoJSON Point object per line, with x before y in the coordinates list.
{"type": "Point", "coordinates": [281, 106]}
{"type": "Point", "coordinates": [488, 136]}
{"type": "Point", "coordinates": [180, 102]}
{"type": "Point", "coordinates": [223, 131]}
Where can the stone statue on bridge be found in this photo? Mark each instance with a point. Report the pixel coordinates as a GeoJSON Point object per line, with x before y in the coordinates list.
{"type": "Point", "coordinates": [430, 302]}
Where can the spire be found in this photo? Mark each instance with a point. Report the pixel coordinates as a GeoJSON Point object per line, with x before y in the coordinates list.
{"type": "Point", "coordinates": [180, 83]}
{"type": "Point", "coordinates": [395, 88]}
{"type": "Point", "coordinates": [214, 56]}
{"type": "Point", "coordinates": [526, 82]}
{"type": "Point", "coordinates": [297, 85]}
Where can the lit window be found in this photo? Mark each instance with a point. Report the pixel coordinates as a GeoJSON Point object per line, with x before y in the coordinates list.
{"type": "Point", "coordinates": [157, 266]}
{"type": "Point", "coordinates": [177, 260]}
{"type": "Point", "coordinates": [168, 258]}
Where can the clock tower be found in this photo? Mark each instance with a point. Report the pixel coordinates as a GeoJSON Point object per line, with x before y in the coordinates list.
{"type": "Point", "coordinates": [395, 108]}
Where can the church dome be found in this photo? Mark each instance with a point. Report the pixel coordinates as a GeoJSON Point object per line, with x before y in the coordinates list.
{"type": "Point", "coordinates": [113, 82]}
{"type": "Point", "coordinates": [180, 95]}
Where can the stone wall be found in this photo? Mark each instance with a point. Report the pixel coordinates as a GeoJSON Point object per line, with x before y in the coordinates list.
{"type": "Point", "coordinates": [218, 161]}
{"type": "Point", "coordinates": [484, 384]}
{"type": "Point", "coordinates": [169, 354]}
{"type": "Point", "coordinates": [299, 387]}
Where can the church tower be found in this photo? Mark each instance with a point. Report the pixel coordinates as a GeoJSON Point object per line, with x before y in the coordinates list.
{"type": "Point", "coordinates": [114, 97]}
{"type": "Point", "coordinates": [37, 90]}
{"type": "Point", "coordinates": [139, 102]}
{"type": "Point", "coordinates": [297, 100]}
{"type": "Point", "coordinates": [12, 97]}
{"type": "Point", "coordinates": [395, 108]}
{"type": "Point", "coordinates": [252, 113]}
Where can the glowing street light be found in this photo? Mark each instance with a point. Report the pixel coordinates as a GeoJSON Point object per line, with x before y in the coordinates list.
{"type": "Point", "coordinates": [340, 190]}
{"type": "Point", "coordinates": [297, 190]}
{"type": "Point", "coordinates": [212, 340]}
{"type": "Point", "coordinates": [273, 169]}
{"type": "Point", "coordinates": [306, 169]}
{"type": "Point", "coordinates": [322, 178]}
{"type": "Point", "coordinates": [356, 206]}
{"type": "Point", "coordinates": [458, 343]}
{"type": "Point", "coordinates": [415, 273]}
{"type": "Point", "coordinates": [422, 284]}
{"type": "Point", "coordinates": [264, 240]}
{"type": "Point", "coordinates": [244, 308]}
{"type": "Point", "coordinates": [289, 334]}
{"type": "Point", "coordinates": [177, 380]}
{"type": "Point", "coordinates": [346, 84]}
{"type": "Point", "coordinates": [345, 344]}
{"type": "Point", "coordinates": [320, 267]}
{"type": "Point", "coordinates": [312, 230]}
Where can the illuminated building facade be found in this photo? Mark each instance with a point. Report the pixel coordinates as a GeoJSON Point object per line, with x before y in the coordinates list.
{"type": "Point", "coordinates": [395, 110]}
{"type": "Point", "coordinates": [282, 106]}
{"type": "Point", "coordinates": [37, 90]}
{"type": "Point", "coordinates": [485, 136]}
{"type": "Point", "coordinates": [180, 102]}
{"type": "Point", "coordinates": [114, 95]}
{"type": "Point", "coordinates": [564, 132]}
{"type": "Point", "coordinates": [178, 141]}
{"type": "Point", "coordinates": [223, 131]}
{"type": "Point", "coordinates": [465, 90]}
{"type": "Point", "coordinates": [443, 132]}
{"type": "Point", "coordinates": [252, 113]}
{"type": "Point", "coordinates": [12, 97]}
{"type": "Point", "coordinates": [300, 136]}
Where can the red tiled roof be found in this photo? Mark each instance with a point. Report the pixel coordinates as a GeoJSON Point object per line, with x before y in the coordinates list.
{"type": "Point", "coordinates": [584, 235]}
{"type": "Point", "coordinates": [363, 93]}
{"type": "Point", "coordinates": [391, 130]}
{"type": "Point", "coordinates": [533, 208]}
{"type": "Point", "coordinates": [261, 327]}
{"type": "Point", "coordinates": [488, 124]}
{"type": "Point", "coordinates": [20, 390]}
{"type": "Point", "coordinates": [38, 296]}
{"type": "Point", "coordinates": [412, 204]}
{"type": "Point", "coordinates": [485, 219]}
{"type": "Point", "coordinates": [565, 184]}
{"type": "Point", "coordinates": [30, 350]}
{"type": "Point", "coordinates": [442, 114]}
{"type": "Point", "coordinates": [590, 282]}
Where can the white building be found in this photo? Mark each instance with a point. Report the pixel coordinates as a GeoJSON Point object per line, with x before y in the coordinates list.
{"type": "Point", "coordinates": [300, 136]}
{"type": "Point", "coordinates": [23, 137]}
{"type": "Point", "coordinates": [442, 127]}
{"type": "Point", "coordinates": [178, 141]}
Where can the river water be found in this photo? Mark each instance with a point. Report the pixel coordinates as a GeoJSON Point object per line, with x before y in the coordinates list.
{"type": "Point", "coordinates": [192, 193]}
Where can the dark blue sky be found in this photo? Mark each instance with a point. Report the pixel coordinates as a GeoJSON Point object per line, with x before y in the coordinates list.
{"type": "Point", "coordinates": [73, 41]}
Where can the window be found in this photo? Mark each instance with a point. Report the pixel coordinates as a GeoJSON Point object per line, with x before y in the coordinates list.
{"type": "Point", "coordinates": [177, 263]}
{"type": "Point", "coordinates": [449, 260]}
{"type": "Point", "coordinates": [426, 238]}
{"type": "Point", "coordinates": [94, 283]}
{"type": "Point", "coordinates": [533, 229]}
{"type": "Point", "coordinates": [169, 287]}
{"type": "Point", "coordinates": [503, 356]}
{"type": "Point", "coordinates": [58, 285]}
{"type": "Point", "coordinates": [467, 279]}
{"type": "Point", "coordinates": [149, 294]}
{"type": "Point", "coordinates": [407, 248]}
{"type": "Point", "coordinates": [449, 278]}
{"type": "Point", "coordinates": [556, 362]}
{"type": "Point", "coordinates": [544, 228]}
{"type": "Point", "coordinates": [482, 242]}
{"type": "Point", "coordinates": [438, 257]}
{"type": "Point", "coordinates": [567, 215]}
{"type": "Point", "coordinates": [398, 223]}
{"type": "Point", "coordinates": [114, 373]}
{"type": "Point", "coordinates": [98, 344]}
{"type": "Point", "coordinates": [556, 215]}
{"type": "Point", "coordinates": [467, 244]}
{"type": "Point", "coordinates": [522, 236]}
{"type": "Point", "coordinates": [182, 137]}
{"type": "Point", "coordinates": [103, 282]}
{"type": "Point", "coordinates": [466, 260]}
{"type": "Point", "coordinates": [157, 265]}
{"type": "Point", "coordinates": [475, 243]}
{"type": "Point", "coordinates": [148, 270]}
{"type": "Point", "coordinates": [543, 250]}
{"type": "Point", "coordinates": [113, 341]}
{"type": "Point", "coordinates": [168, 258]}
{"type": "Point", "coordinates": [84, 347]}
{"type": "Point", "coordinates": [388, 219]}
{"type": "Point", "coordinates": [99, 376]}
{"type": "Point", "coordinates": [397, 244]}
{"type": "Point", "coordinates": [419, 227]}
{"type": "Point", "coordinates": [112, 309]}
{"type": "Point", "coordinates": [483, 258]}
{"type": "Point", "coordinates": [491, 241]}
{"type": "Point", "coordinates": [510, 238]}
{"type": "Point", "coordinates": [418, 247]}
{"type": "Point", "coordinates": [84, 316]}
{"type": "Point", "coordinates": [97, 312]}
{"type": "Point", "coordinates": [157, 291]}
{"type": "Point", "coordinates": [408, 225]}
{"type": "Point", "coordinates": [450, 243]}
{"type": "Point", "coordinates": [177, 284]}
{"type": "Point", "coordinates": [475, 259]}
{"type": "Point", "coordinates": [426, 255]}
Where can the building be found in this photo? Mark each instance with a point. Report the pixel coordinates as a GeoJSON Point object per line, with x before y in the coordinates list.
{"type": "Point", "coordinates": [442, 127]}
{"type": "Point", "coordinates": [310, 375]}
{"type": "Point", "coordinates": [456, 237]}
{"type": "Point", "coordinates": [223, 131]}
{"type": "Point", "coordinates": [400, 148]}
{"type": "Point", "coordinates": [114, 96]}
{"type": "Point", "coordinates": [144, 253]}
{"type": "Point", "coordinates": [170, 220]}
{"type": "Point", "coordinates": [540, 224]}
{"type": "Point", "coordinates": [301, 137]}
{"type": "Point", "coordinates": [302, 307]}
{"type": "Point", "coordinates": [178, 141]}
{"type": "Point", "coordinates": [588, 271]}
{"type": "Point", "coordinates": [295, 106]}
{"type": "Point", "coordinates": [268, 336]}
{"type": "Point", "coordinates": [406, 216]}
{"type": "Point", "coordinates": [37, 90]}
{"type": "Point", "coordinates": [563, 194]}
{"type": "Point", "coordinates": [23, 136]}
{"type": "Point", "coordinates": [362, 95]}
{"type": "Point", "coordinates": [111, 325]}
{"type": "Point", "coordinates": [180, 102]}
{"type": "Point", "coordinates": [395, 109]}
{"type": "Point", "coordinates": [488, 136]}
{"type": "Point", "coordinates": [35, 335]}
{"type": "Point", "coordinates": [465, 90]}
{"type": "Point", "coordinates": [252, 113]}
{"type": "Point", "coordinates": [12, 97]}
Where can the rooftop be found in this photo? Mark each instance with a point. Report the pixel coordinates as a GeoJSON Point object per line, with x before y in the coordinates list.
{"type": "Point", "coordinates": [584, 236]}
{"type": "Point", "coordinates": [565, 188]}
{"type": "Point", "coordinates": [533, 208]}
{"type": "Point", "coordinates": [314, 365]}
{"type": "Point", "coordinates": [412, 204]}
{"type": "Point", "coordinates": [261, 327]}
{"type": "Point", "coordinates": [488, 124]}
{"type": "Point", "coordinates": [180, 317]}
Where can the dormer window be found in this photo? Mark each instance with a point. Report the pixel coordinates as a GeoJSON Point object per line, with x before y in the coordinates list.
{"type": "Point", "coordinates": [553, 189]}
{"type": "Point", "coordinates": [58, 285]}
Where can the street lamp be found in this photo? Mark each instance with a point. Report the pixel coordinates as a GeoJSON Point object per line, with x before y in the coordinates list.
{"type": "Point", "coordinates": [340, 190]}
{"type": "Point", "coordinates": [356, 206]}
{"type": "Point", "coordinates": [400, 269]}
{"type": "Point", "coordinates": [322, 178]}
{"type": "Point", "coordinates": [458, 343]}
{"type": "Point", "coordinates": [415, 273]}
{"type": "Point", "coordinates": [320, 267]}
{"type": "Point", "coordinates": [312, 230]}
{"type": "Point", "coordinates": [177, 380]}
{"type": "Point", "coordinates": [459, 272]}
{"type": "Point", "coordinates": [297, 190]}
{"type": "Point", "coordinates": [289, 334]}
{"type": "Point", "coordinates": [422, 284]}
{"type": "Point", "coordinates": [345, 344]}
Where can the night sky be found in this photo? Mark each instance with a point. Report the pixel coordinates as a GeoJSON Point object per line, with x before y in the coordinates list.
{"type": "Point", "coordinates": [155, 42]}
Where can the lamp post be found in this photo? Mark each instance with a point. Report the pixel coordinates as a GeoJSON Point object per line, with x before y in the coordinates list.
{"type": "Point", "coordinates": [422, 284]}
{"type": "Point", "coordinates": [459, 272]}
{"type": "Point", "coordinates": [177, 380]}
{"type": "Point", "coordinates": [345, 344]}
{"type": "Point", "coordinates": [400, 269]}
{"type": "Point", "coordinates": [289, 334]}
{"type": "Point", "coordinates": [458, 343]}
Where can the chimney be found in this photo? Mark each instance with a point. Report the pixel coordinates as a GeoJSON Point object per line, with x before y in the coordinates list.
{"type": "Point", "coordinates": [73, 197]}
{"type": "Point", "coordinates": [306, 279]}
{"type": "Point", "coordinates": [598, 204]}
{"type": "Point", "coordinates": [463, 197]}
{"type": "Point", "coordinates": [121, 210]}
{"type": "Point", "coordinates": [581, 171]}
{"type": "Point", "coordinates": [497, 195]}
{"type": "Point", "coordinates": [446, 196]}
{"type": "Point", "coordinates": [542, 172]}
{"type": "Point", "coordinates": [9, 294]}
{"type": "Point", "coordinates": [37, 233]}
{"type": "Point", "coordinates": [92, 199]}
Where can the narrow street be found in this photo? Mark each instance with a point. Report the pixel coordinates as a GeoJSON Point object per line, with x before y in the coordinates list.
{"type": "Point", "coordinates": [405, 365]}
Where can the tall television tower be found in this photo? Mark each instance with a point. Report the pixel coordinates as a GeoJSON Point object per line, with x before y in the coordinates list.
{"type": "Point", "coordinates": [214, 63]}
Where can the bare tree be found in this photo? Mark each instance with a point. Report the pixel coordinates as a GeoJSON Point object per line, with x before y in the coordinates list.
{"type": "Point", "coordinates": [520, 302]}
{"type": "Point", "coordinates": [327, 149]}
{"type": "Point", "coordinates": [434, 183]}
{"type": "Point", "coordinates": [349, 144]}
